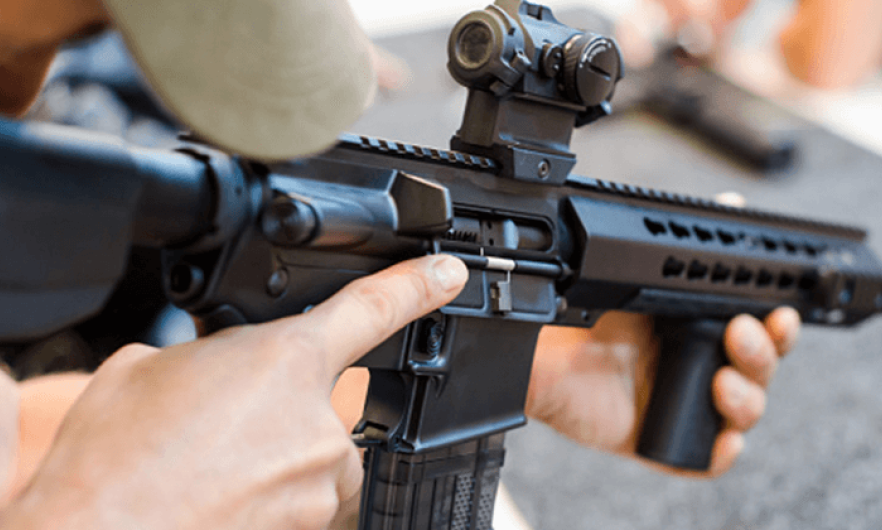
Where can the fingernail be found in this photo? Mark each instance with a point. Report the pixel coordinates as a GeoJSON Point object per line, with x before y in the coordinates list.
{"type": "Point", "coordinates": [450, 272]}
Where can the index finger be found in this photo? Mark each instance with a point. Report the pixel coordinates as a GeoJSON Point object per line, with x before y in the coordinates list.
{"type": "Point", "coordinates": [370, 310]}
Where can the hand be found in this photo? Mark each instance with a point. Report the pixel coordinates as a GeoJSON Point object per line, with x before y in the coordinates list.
{"type": "Point", "coordinates": [700, 23]}
{"type": "Point", "coordinates": [719, 14]}
{"type": "Point", "coordinates": [833, 43]}
{"type": "Point", "coordinates": [593, 385]}
{"type": "Point", "coordinates": [827, 43]}
{"type": "Point", "coordinates": [232, 431]}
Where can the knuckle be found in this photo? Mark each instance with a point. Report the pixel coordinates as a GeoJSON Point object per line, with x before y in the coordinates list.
{"type": "Point", "coordinates": [286, 337]}
{"type": "Point", "coordinates": [280, 341]}
{"type": "Point", "coordinates": [285, 348]}
{"type": "Point", "coordinates": [763, 367]}
{"type": "Point", "coordinates": [328, 460]}
{"type": "Point", "coordinates": [341, 448]}
{"type": "Point", "coordinates": [769, 372]}
{"type": "Point", "coordinates": [233, 332]}
{"type": "Point", "coordinates": [320, 511]}
{"type": "Point", "coordinates": [752, 410]}
{"type": "Point", "coordinates": [353, 476]}
{"type": "Point", "coordinates": [332, 448]}
{"type": "Point", "coordinates": [268, 348]}
{"type": "Point", "coordinates": [128, 355]}
{"type": "Point", "coordinates": [758, 408]}
{"type": "Point", "coordinates": [379, 306]}
{"type": "Point", "coordinates": [763, 363]}
{"type": "Point", "coordinates": [422, 288]}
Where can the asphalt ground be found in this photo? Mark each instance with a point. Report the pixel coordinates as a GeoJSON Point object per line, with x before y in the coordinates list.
{"type": "Point", "coordinates": [815, 459]}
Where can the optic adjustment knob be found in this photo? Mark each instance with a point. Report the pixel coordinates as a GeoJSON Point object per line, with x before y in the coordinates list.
{"type": "Point", "coordinates": [592, 67]}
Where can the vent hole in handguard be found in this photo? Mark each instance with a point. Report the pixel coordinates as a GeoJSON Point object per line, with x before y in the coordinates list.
{"type": "Point", "coordinates": [728, 238]}
{"type": "Point", "coordinates": [679, 230]}
{"type": "Point", "coordinates": [697, 270]}
{"type": "Point", "coordinates": [673, 267]}
{"type": "Point", "coordinates": [721, 273]}
{"type": "Point", "coordinates": [743, 276]}
{"type": "Point", "coordinates": [764, 278]}
{"type": "Point", "coordinates": [808, 281]}
{"type": "Point", "coordinates": [786, 281]}
{"type": "Point", "coordinates": [703, 235]}
{"type": "Point", "coordinates": [654, 227]}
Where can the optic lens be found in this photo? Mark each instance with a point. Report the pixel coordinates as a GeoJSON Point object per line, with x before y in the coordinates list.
{"type": "Point", "coordinates": [474, 45]}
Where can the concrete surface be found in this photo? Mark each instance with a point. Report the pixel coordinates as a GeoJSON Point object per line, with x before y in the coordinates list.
{"type": "Point", "coordinates": [815, 460]}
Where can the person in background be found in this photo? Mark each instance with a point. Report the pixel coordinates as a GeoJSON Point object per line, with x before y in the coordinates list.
{"type": "Point", "coordinates": [827, 43]}
{"type": "Point", "coordinates": [241, 429]}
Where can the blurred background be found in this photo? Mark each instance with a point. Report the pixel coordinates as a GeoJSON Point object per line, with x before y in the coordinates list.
{"type": "Point", "coordinates": [708, 115]}
{"type": "Point", "coordinates": [751, 58]}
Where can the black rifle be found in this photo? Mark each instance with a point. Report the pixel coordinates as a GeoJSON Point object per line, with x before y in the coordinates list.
{"type": "Point", "coordinates": [246, 241]}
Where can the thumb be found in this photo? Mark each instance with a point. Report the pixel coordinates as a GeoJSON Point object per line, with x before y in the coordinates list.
{"type": "Point", "coordinates": [369, 310]}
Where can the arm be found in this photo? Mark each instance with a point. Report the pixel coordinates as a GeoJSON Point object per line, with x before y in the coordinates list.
{"type": "Point", "coordinates": [827, 43]}
{"type": "Point", "coordinates": [194, 434]}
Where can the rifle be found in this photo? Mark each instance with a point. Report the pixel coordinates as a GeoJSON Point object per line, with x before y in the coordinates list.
{"type": "Point", "coordinates": [250, 241]}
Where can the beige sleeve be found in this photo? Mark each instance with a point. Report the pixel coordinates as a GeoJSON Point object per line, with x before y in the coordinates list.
{"type": "Point", "coordinates": [9, 416]}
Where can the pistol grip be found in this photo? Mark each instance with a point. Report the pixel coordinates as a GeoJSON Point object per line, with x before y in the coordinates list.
{"type": "Point", "coordinates": [681, 422]}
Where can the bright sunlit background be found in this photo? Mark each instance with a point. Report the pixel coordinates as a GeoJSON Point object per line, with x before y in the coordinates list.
{"type": "Point", "coordinates": [855, 114]}
{"type": "Point", "coordinates": [390, 17]}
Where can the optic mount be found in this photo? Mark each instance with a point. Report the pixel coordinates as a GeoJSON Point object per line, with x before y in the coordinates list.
{"type": "Point", "coordinates": [531, 80]}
